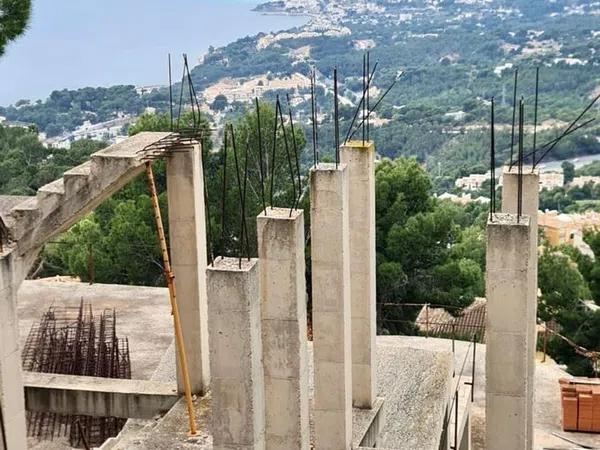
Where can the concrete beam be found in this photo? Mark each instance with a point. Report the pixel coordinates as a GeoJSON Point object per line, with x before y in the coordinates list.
{"type": "Point", "coordinates": [237, 378]}
{"type": "Point", "coordinates": [331, 306]}
{"type": "Point", "coordinates": [530, 206]}
{"type": "Point", "coordinates": [360, 160]}
{"type": "Point", "coordinates": [284, 335]}
{"type": "Point", "coordinates": [187, 238]}
{"type": "Point", "coordinates": [509, 287]}
{"type": "Point", "coordinates": [94, 396]}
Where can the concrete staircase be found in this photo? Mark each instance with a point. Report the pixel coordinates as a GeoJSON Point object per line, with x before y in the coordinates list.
{"type": "Point", "coordinates": [61, 203]}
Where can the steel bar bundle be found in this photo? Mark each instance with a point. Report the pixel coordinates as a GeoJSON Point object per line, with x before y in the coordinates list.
{"type": "Point", "coordinates": [74, 341]}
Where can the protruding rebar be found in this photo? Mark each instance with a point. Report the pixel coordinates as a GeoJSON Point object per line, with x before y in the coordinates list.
{"type": "Point", "coordinates": [535, 114]}
{"type": "Point", "coordinates": [368, 95]}
{"type": "Point", "coordinates": [246, 238]}
{"type": "Point", "coordinates": [296, 154]}
{"type": "Point", "coordinates": [492, 165]}
{"type": "Point", "coordinates": [512, 135]}
{"type": "Point", "coordinates": [241, 193]}
{"type": "Point", "coordinates": [272, 180]}
{"type": "Point", "coordinates": [364, 83]}
{"type": "Point", "coordinates": [555, 140]}
{"type": "Point", "coordinates": [190, 90]}
{"type": "Point", "coordinates": [569, 129]}
{"type": "Point", "coordinates": [520, 162]}
{"type": "Point", "coordinates": [260, 157]}
{"type": "Point", "coordinates": [336, 117]}
{"type": "Point", "coordinates": [314, 117]}
{"type": "Point", "coordinates": [287, 153]}
{"type": "Point", "coordinates": [224, 191]}
{"type": "Point", "coordinates": [400, 75]}
{"type": "Point", "coordinates": [362, 100]}
{"type": "Point", "coordinates": [170, 95]}
{"type": "Point", "coordinates": [180, 98]}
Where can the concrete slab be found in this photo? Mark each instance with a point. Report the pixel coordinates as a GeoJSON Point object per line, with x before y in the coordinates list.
{"type": "Point", "coordinates": [414, 383]}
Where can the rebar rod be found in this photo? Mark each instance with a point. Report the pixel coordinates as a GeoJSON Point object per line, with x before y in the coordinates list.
{"type": "Point", "coordinates": [520, 163]}
{"type": "Point", "coordinates": [559, 138]}
{"type": "Point", "coordinates": [336, 118]}
{"type": "Point", "coordinates": [569, 128]}
{"type": "Point", "coordinates": [364, 69]}
{"type": "Point", "coordinates": [272, 180]}
{"type": "Point", "coordinates": [535, 113]}
{"type": "Point", "coordinates": [368, 94]}
{"type": "Point", "coordinates": [362, 99]}
{"type": "Point", "coordinates": [378, 102]}
{"type": "Point", "coordinates": [260, 157]}
{"type": "Point", "coordinates": [492, 164]}
{"type": "Point", "coordinates": [287, 154]}
{"type": "Point", "coordinates": [224, 192]}
{"type": "Point", "coordinates": [241, 194]}
{"type": "Point", "coordinates": [512, 135]}
{"type": "Point", "coordinates": [313, 117]}
{"type": "Point", "coordinates": [296, 153]}
{"type": "Point", "coordinates": [170, 95]}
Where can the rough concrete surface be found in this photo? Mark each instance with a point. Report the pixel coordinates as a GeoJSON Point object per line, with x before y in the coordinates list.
{"type": "Point", "coordinates": [546, 399]}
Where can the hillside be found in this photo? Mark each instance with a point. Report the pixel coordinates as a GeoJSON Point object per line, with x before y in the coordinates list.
{"type": "Point", "coordinates": [456, 55]}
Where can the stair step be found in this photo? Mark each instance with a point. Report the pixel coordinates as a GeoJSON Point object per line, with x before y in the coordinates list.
{"type": "Point", "coordinates": [24, 216]}
{"type": "Point", "coordinates": [57, 187]}
{"type": "Point", "coordinates": [125, 155]}
{"type": "Point", "coordinates": [50, 195]}
{"type": "Point", "coordinates": [77, 177]}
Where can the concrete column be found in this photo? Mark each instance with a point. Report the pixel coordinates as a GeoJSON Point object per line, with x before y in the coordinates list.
{"type": "Point", "coordinates": [237, 380]}
{"type": "Point", "coordinates": [331, 307]}
{"type": "Point", "coordinates": [12, 400]}
{"type": "Point", "coordinates": [360, 160]}
{"type": "Point", "coordinates": [509, 287]}
{"type": "Point", "coordinates": [283, 317]}
{"type": "Point", "coordinates": [187, 239]}
{"type": "Point", "coordinates": [530, 206]}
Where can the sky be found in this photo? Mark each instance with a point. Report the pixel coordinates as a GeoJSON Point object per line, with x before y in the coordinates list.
{"type": "Point", "coordinates": [78, 43]}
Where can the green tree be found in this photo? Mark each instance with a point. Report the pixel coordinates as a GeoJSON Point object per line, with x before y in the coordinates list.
{"type": "Point", "coordinates": [219, 103]}
{"type": "Point", "coordinates": [427, 251]}
{"type": "Point", "coordinates": [568, 171]}
{"type": "Point", "coordinates": [14, 16]}
{"type": "Point", "coordinates": [561, 283]}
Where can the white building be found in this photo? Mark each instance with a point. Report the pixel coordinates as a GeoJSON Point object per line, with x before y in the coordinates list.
{"type": "Point", "coordinates": [472, 182]}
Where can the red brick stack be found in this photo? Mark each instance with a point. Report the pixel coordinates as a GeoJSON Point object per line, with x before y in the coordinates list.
{"type": "Point", "coordinates": [580, 401]}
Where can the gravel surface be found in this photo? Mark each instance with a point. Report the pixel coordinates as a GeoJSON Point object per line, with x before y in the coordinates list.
{"type": "Point", "coordinates": [547, 396]}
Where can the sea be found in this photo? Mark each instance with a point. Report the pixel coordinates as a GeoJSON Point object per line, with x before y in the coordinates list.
{"type": "Point", "coordinates": [73, 43]}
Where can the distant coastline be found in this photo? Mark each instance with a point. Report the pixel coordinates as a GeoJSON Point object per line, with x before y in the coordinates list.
{"type": "Point", "coordinates": [126, 60]}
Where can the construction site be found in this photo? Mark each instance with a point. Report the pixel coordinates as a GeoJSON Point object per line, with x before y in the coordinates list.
{"type": "Point", "coordinates": [224, 357]}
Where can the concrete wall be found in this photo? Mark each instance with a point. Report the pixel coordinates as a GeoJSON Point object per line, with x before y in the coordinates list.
{"type": "Point", "coordinates": [530, 206]}
{"type": "Point", "coordinates": [509, 287]}
{"type": "Point", "coordinates": [237, 379]}
{"type": "Point", "coordinates": [187, 233]}
{"type": "Point", "coordinates": [12, 401]}
{"type": "Point", "coordinates": [284, 335]}
{"type": "Point", "coordinates": [331, 307]}
{"type": "Point", "coordinates": [360, 160]}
